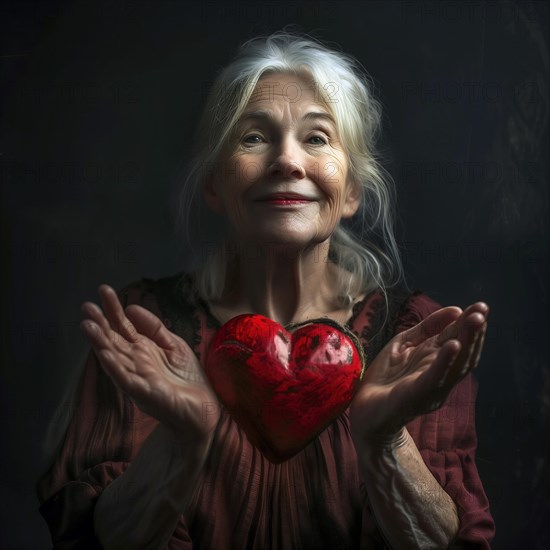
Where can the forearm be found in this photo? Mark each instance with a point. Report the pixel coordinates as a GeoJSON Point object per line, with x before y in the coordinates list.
{"type": "Point", "coordinates": [410, 506]}
{"type": "Point", "coordinates": [141, 508]}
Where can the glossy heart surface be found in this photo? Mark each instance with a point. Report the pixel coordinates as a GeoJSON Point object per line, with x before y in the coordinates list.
{"type": "Point", "coordinates": [284, 387]}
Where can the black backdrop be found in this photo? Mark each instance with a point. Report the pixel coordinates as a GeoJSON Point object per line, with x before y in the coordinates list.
{"type": "Point", "coordinates": [99, 102]}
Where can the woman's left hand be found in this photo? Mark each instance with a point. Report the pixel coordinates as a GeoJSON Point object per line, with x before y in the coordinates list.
{"type": "Point", "coordinates": [415, 372]}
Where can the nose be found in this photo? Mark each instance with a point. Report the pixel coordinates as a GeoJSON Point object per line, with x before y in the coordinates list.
{"type": "Point", "coordinates": [287, 164]}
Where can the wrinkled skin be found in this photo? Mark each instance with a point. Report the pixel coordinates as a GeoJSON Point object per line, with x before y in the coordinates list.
{"type": "Point", "coordinates": [151, 364]}
{"type": "Point", "coordinates": [416, 370]}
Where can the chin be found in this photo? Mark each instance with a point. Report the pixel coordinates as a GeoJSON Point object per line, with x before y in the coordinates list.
{"type": "Point", "coordinates": [285, 235]}
{"type": "Point", "coordinates": [282, 244]}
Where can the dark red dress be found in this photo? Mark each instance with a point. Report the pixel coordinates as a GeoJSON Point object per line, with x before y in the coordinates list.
{"type": "Point", "coordinates": [315, 500]}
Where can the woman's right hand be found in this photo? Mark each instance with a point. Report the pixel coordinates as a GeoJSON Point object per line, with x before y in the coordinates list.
{"type": "Point", "coordinates": [155, 367]}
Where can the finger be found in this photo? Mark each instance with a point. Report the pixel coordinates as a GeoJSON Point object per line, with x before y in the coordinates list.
{"type": "Point", "coordinates": [115, 314]}
{"type": "Point", "coordinates": [468, 357]}
{"type": "Point", "coordinates": [105, 339]}
{"type": "Point", "coordinates": [471, 318]}
{"type": "Point", "coordinates": [467, 330]}
{"type": "Point", "coordinates": [470, 330]}
{"type": "Point", "coordinates": [94, 313]}
{"type": "Point", "coordinates": [148, 324]}
{"type": "Point", "coordinates": [471, 346]}
{"type": "Point", "coordinates": [183, 361]}
{"type": "Point", "coordinates": [479, 346]}
{"type": "Point", "coordinates": [430, 326]}
{"type": "Point", "coordinates": [98, 338]}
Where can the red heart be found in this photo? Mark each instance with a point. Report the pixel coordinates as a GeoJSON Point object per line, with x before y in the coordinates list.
{"type": "Point", "coordinates": [284, 388]}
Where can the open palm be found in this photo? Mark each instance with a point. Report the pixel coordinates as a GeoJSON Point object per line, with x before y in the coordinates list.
{"type": "Point", "coordinates": [416, 370]}
{"type": "Point", "coordinates": [155, 367]}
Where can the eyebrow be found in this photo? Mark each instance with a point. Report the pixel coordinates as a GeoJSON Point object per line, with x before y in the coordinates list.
{"type": "Point", "coordinates": [268, 116]}
{"type": "Point", "coordinates": [319, 115]}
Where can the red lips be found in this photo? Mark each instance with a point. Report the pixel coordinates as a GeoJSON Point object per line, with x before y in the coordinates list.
{"type": "Point", "coordinates": [286, 197]}
{"type": "Point", "coordinates": [284, 388]}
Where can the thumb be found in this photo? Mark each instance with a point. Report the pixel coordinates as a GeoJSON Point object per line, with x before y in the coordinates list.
{"type": "Point", "coordinates": [149, 325]}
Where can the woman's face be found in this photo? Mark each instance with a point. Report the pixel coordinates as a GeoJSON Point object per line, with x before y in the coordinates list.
{"type": "Point", "coordinates": [284, 176]}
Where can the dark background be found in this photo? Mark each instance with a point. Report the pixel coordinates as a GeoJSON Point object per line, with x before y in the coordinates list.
{"type": "Point", "coordinates": [99, 103]}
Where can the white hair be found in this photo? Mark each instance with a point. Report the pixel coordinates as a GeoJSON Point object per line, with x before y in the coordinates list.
{"type": "Point", "coordinates": [364, 246]}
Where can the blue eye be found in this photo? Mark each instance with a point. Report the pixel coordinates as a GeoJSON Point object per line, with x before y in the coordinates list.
{"type": "Point", "coordinates": [317, 140]}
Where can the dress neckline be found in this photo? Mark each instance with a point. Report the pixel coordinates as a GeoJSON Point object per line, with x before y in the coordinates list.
{"type": "Point", "coordinates": [214, 322]}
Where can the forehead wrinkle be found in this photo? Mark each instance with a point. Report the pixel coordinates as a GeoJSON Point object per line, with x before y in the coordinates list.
{"type": "Point", "coordinates": [269, 116]}
{"type": "Point", "coordinates": [259, 114]}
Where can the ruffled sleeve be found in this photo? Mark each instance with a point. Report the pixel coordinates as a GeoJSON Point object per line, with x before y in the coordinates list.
{"type": "Point", "coordinates": [447, 441]}
{"type": "Point", "coordinates": [105, 433]}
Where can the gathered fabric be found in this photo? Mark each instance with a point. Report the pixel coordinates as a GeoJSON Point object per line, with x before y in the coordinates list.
{"type": "Point", "coordinates": [314, 500]}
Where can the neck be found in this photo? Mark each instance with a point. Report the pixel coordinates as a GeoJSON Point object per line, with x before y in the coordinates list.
{"type": "Point", "coordinates": [285, 285]}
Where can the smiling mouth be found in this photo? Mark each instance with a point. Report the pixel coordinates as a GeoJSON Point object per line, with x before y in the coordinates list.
{"type": "Point", "coordinates": [285, 200]}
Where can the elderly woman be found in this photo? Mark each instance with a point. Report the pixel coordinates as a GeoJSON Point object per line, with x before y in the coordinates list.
{"type": "Point", "coordinates": [285, 157]}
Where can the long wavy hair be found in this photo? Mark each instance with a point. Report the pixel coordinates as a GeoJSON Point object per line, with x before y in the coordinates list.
{"type": "Point", "coordinates": [364, 246]}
